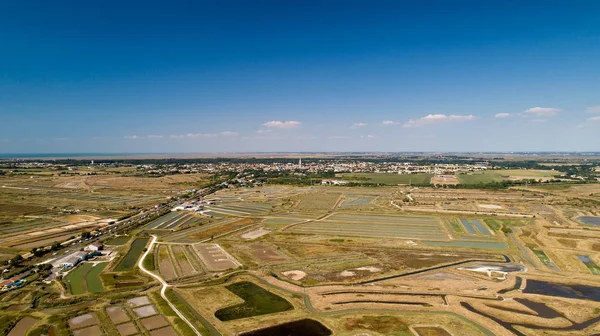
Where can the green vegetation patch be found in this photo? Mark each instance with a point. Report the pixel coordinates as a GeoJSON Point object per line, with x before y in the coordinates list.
{"type": "Point", "coordinates": [479, 177]}
{"type": "Point", "coordinates": [258, 301]}
{"type": "Point", "coordinates": [118, 241]}
{"type": "Point", "coordinates": [388, 178]}
{"type": "Point", "coordinates": [132, 256]}
{"type": "Point", "coordinates": [92, 279]}
{"type": "Point", "coordinates": [76, 279]}
{"type": "Point", "coordinates": [149, 262]}
{"type": "Point", "coordinates": [387, 325]}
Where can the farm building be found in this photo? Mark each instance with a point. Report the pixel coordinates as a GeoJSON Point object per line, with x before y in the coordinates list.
{"type": "Point", "coordinates": [94, 247]}
{"type": "Point", "coordinates": [10, 284]}
{"type": "Point", "coordinates": [70, 260]}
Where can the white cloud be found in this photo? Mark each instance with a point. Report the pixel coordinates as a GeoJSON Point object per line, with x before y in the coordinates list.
{"type": "Point", "coordinates": [264, 131]}
{"type": "Point", "coordinates": [155, 136]}
{"type": "Point", "coordinates": [502, 115]}
{"type": "Point", "coordinates": [369, 136]}
{"type": "Point", "coordinates": [229, 134]}
{"type": "Point", "coordinates": [201, 135]}
{"type": "Point", "coordinates": [542, 111]}
{"type": "Point", "coordinates": [282, 124]}
{"type": "Point", "coordinates": [62, 139]}
{"type": "Point", "coordinates": [358, 124]}
{"type": "Point", "coordinates": [132, 137]}
{"type": "Point", "coordinates": [389, 123]}
{"type": "Point", "coordinates": [594, 119]}
{"type": "Point", "coordinates": [538, 120]}
{"type": "Point", "coordinates": [593, 109]}
{"type": "Point", "coordinates": [437, 118]}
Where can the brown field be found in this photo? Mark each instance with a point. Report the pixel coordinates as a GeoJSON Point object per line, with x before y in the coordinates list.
{"type": "Point", "coordinates": [154, 322]}
{"type": "Point", "coordinates": [186, 267]}
{"type": "Point", "coordinates": [445, 179]}
{"type": "Point", "coordinates": [145, 311]}
{"type": "Point", "coordinates": [215, 258]}
{"type": "Point", "coordinates": [266, 253]}
{"type": "Point", "coordinates": [89, 331]}
{"type": "Point", "coordinates": [21, 328]}
{"type": "Point", "coordinates": [117, 314]}
{"type": "Point", "coordinates": [219, 230]}
{"type": "Point", "coordinates": [431, 331]}
{"type": "Point", "coordinates": [127, 329]}
{"type": "Point", "coordinates": [317, 201]}
{"type": "Point", "coordinates": [83, 321]}
{"type": "Point", "coordinates": [165, 265]}
{"type": "Point", "coordinates": [167, 331]}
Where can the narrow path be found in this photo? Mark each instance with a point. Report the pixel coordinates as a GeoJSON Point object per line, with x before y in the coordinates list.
{"type": "Point", "coordinates": [164, 286]}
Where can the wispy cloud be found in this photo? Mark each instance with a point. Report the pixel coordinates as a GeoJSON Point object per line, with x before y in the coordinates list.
{"type": "Point", "coordinates": [133, 137]}
{"type": "Point", "coordinates": [390, 123]}
{"type": "Point", "coordinates": [542, 111]}
{"type": "Point", "coordinates": [502, 115]}
{"type": "Point", "coordinates": [155, 136]}
{"type": "Point", "coordinates": [594, 119]}
{"type": "Point", "coordinates": [369, 136]}
{"type": "Point", "coordinates": [62, 139]}
{"type": "Point", "coordinates": [204, 135]}
{"type": "Point", "coordinates": [539, 120]}
{"type": "Point", "coordinates": [437, 118]}
{"type": "Point", "coordinates": [338, 137]}
{"type": "Point", "coordinates": [264, 131]}
{"type": "Point", "coordinates": [201, 135]}
{"type": "Point", "coordinates": [593, 109]}
{"type": "Point", "coordinates": [358, 124]}
{"type": "Point", "coordinates": [282, 124]}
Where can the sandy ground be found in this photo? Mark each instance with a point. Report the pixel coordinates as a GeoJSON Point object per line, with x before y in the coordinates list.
{"type": "Point", "coordinates": [255, 234]}
{"type": "Point", "coordinates": [295, 275]}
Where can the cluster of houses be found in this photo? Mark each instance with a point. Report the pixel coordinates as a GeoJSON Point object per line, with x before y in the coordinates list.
{"type": "Point", "coordinates": [10, 284]}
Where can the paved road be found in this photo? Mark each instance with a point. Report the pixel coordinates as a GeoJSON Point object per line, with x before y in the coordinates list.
{"type": "Point", "coordinates": [164, 286]}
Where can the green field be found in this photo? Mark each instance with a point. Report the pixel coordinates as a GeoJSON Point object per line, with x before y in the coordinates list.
{"type": "Point", "coordinates": [479, 177]}
{"type": "Point", "coordinates": [388, 178]}
{"type": "Point", "coordinates": [132, 256]}
{"type": "Point", "coordinates": [76, 278]}
{"type": "Point", "coordinates": [406, 227]}
{"type": "Point", "coordinates": [528, 173]}
{"type": "Point", "coordinates": [85, 278]}
{"type": "Point", "coordinates": [92, 279]}
{"type": "Point", "coordinates": [258, 301]}
{"type": "Point", "coordinates": [118, 241]}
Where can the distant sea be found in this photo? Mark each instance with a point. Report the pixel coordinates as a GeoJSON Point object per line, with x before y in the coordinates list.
{"type": "Point", "coordinates": [69, 155]}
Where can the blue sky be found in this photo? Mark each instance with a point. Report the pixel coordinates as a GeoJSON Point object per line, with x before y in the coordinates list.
{"type": "Point", "coordinates": [236, 76]}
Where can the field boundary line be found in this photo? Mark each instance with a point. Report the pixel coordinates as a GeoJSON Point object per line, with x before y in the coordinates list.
{"type": "Point", "coordinates": [164, 286]}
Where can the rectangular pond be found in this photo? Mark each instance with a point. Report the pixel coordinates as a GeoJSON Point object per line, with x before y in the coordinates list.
{"type": "Point", "coordinates": [468, 226]}
{"type": "Point", "coordinates": [589, 220]}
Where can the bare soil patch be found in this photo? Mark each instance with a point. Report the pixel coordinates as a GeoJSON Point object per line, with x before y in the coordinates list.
{"type": "Point", "coordinates": [255, 234]}
{"type": "Point", "coordinates": [89, 331]}
{"type": "Point", "coordinates": [267, 253]}
{"type": "Point", "coordinates": [127, 329]}
{"type": "Point", "coordinates": [83, 321]}
{"type": "Point", "coordinates": [145, 311]}
{"type": "Point", "coordinates": [117, 314]}
{"type": "Point", "coordinates": [21, 328]}
{"type": "Point", "coordinates": [431, 331]}
{"type": "Point", "coordinates": [295, 275]}
{"type": "Point", "coordinates": [154, 322]}
{"type": "Point", "coordinates": [167, 331]}
{"type": "Point", "coordinates": [139, 301]}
